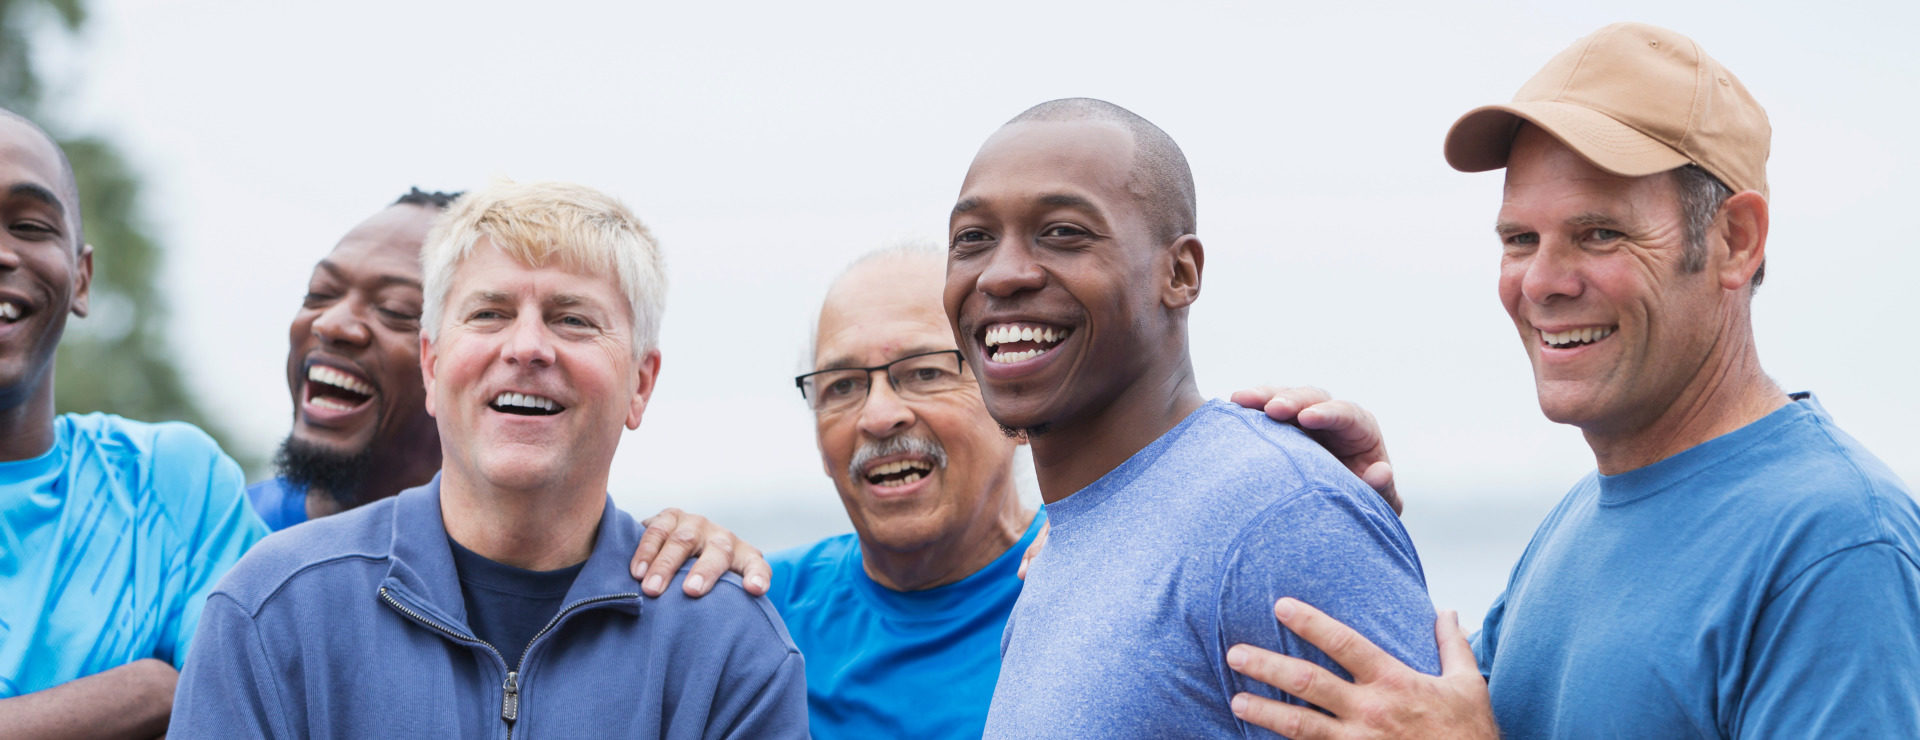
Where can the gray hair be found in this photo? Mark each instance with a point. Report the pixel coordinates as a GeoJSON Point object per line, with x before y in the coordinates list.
{"type": "Point", "coordinates": [1701, 195]}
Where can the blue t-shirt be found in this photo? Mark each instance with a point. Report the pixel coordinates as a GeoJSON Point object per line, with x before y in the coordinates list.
{"type": "Point", "coordinates": [1152, 572]}
{"type": "Point", "coordinates": [278, 502]}
{"type": "Point", "coordinates": [1763, 583]}
{"type": "Point", "coordinates": [885, 663]}
{"type": "Point", "coordinates": [109, 545]}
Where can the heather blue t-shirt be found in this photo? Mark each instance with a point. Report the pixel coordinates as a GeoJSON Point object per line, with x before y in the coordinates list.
{"type": "Point", "coordinates": [1152, 572]}
{"type": "Point", "coordinates": [1763, 583]}
{"type": "Point", "coordinates": [883, 663]}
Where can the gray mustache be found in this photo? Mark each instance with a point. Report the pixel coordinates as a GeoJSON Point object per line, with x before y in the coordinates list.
{"type": "Point", "coordinates": [901, 445]}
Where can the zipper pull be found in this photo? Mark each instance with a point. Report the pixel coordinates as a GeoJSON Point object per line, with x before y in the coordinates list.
{"type": "Point", "coordinates": [510, 704]}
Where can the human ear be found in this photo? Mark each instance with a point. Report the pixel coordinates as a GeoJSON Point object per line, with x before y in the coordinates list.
{"type": "Point", "coordinates": [1188, 257]}
{"type": "Point", "coordinates": [82, 281]}
{"type": "Point", "coordinates": [426, 368]}
{"type": "Point", "coordinates": [1741, 237]}
{"type": "Point", "coordinates": [644, 377]}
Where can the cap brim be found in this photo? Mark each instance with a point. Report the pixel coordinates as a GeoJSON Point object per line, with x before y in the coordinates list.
{"type": "Point", "coordinates": [1480, 140]}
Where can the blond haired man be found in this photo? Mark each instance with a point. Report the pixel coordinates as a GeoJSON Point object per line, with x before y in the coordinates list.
{"type": "Point", "coordinates": [496, 599]}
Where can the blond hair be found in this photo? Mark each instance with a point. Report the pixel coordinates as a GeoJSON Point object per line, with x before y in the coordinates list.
{"type": "Point", "coordinates": [574, 226]}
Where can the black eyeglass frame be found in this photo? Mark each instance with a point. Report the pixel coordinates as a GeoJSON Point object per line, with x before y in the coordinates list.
{"type": "Point", "coordinates": [800, 381]}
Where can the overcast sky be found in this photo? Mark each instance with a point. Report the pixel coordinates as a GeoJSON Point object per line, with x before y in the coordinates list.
{"type": "Point", "coordinates": [767, 145]}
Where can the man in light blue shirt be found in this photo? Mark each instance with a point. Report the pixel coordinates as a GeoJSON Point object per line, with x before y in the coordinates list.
{"type": "Point", "coordinates": [112, 532]}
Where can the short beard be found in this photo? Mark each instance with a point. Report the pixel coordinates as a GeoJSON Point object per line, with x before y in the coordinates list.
{"type": "Point", "coordinates": [309, 466]}
{"type": "Point", "coordinates": [1027, 434]}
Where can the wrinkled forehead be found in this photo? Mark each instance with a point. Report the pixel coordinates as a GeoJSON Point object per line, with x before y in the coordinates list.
{"type": "Point", "coordinates": [883, 308]}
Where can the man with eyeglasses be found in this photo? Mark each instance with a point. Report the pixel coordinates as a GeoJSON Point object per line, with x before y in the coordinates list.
{"type": "Point", "coordinates": [900, 620]}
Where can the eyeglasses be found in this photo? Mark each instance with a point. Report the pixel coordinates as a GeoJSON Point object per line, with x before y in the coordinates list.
{"type": "Point", "coordinates": [914, 377]}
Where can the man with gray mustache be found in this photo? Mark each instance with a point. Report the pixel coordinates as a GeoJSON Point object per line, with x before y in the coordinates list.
{"type": "Point", "coordinates": [900, 620]}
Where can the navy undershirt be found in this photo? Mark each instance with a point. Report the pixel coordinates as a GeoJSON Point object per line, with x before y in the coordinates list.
{"type": "Point", "coordinates": [507, 606]}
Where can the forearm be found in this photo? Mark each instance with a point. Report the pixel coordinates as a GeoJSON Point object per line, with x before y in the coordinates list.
{"type": "Point", "coordinates": [132, 700]}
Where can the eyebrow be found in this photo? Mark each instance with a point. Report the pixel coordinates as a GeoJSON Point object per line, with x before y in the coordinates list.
{"type": "Point", "coordinates": [966, 204]}
{"type": "Point", "coordinates": [1589, 218]}
{"type": "Point", "coordinates": [1066, 200]}
{"type": "Point", "coordinates": [844, 362]}
{"type": "Point", "coordinates": [382, 281]}
{"type": "Point", "coordinates": [37, 192]}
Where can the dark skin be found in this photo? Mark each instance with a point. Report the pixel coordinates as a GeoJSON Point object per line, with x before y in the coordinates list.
{"type": "Point", "coordinates": [1048, 232]}
{"type": "Point", "coordinates": [361, 316]}
{"type": "Point", "coordinates": [45, 270]}
{"type": "Point", "coordinates": [44, 273]}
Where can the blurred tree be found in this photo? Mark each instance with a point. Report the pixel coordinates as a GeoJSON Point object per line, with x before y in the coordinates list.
{"type": "Point", "coordinates": [118, 359]}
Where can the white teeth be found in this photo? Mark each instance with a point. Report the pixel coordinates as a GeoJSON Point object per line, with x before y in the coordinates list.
{"type": "Point", "coordinates": [1007, 358]}
{"type": "Point", "coordinates": [900, 466]}
{"type": "Point", "coordinates": [1575, 336]}
{"type": "Point", "coordinates": [328, 403]}
{"type": "Point", "coordinates": [9, 310]}
{"type": "Point", "coordinates": [337, 379]}
{"type": "Point", "coordinates": [999, 334]}
{"type": "Point", "coordinates": [523, 400]}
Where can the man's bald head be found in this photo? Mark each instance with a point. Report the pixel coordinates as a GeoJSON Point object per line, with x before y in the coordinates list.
{"type": "Point", "coordinates": [900, 269]}
{"type": "Point", "coordinates": [1160, 177]}
{"type": "Point", "coordinates": [69, 188]}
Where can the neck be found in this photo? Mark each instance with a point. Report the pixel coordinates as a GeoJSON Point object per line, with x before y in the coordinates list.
{"type": "Point", "coordinates": [954, 556]}
{"type": "Point", "coordinates": [1074, 453]}
{"type": "Point", "coordinates": [26, 424]}
{"type": "Point", "coordinates": [541, 529]}
{"type": "Point", "coordinates": [1730, 393]}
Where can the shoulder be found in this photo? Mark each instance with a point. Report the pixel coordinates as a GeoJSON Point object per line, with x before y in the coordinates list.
{"type": "Point", "coordinates": [1820, 486]}
{"type": "Point", "coordinates": [159, 446]}
{"type": "Point", "coordinates": [1230, 437]}
{"type": "Point", "coordinates": [797, 570]}
{"type": "Point", "coordinates": [173, 465]}
{"type": "Point", "coordinates": [726, 621]}
{"type": "Point", "coordinates": [312, 554]}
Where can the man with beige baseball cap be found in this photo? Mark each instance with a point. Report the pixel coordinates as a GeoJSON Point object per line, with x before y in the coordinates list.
{"type": "Point", "coordinates": [1737, 565]}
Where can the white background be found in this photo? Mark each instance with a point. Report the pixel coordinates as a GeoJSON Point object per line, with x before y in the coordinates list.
{"type": "Point", "coordinates": [767, 145]}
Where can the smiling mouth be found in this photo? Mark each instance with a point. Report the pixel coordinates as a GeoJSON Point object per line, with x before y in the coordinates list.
{"type": "Point", "coordinates": [898, 472]}
{"type": "Point", "coordinates": [335, 389]}
{"type": "Point", "coordinates": [1011, 343]}
{"type": "Point", "coordinates": [11, 312]}
{"type": "Point", "coordinates": [525, 404]}
{"type": "Point", "coordinates": [1575, 337]}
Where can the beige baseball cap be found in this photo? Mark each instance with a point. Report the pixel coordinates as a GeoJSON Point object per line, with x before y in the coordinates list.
{"type": "Point", "coordinates": [1634, 100]}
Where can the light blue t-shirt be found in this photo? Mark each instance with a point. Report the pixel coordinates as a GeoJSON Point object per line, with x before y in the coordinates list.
{"type": "Point", "coordinates": [1152, 572]}
{"type": "Point", "coordinates": [1762, 584]}
{"type": "Point", "coordinates": [109, 545]}
{"type": "Point", "coordinates": [279, 502]}
{"type": "Point", "coordinates": [884, 663]}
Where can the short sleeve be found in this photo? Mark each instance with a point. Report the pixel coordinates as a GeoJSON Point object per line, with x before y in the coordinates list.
{"type": "Point", "coordinates": [1837, 652]}
{"type": "Point", "coordinates": [1339, 556]}
{"type": "Point", "coordinates": [216, 526]}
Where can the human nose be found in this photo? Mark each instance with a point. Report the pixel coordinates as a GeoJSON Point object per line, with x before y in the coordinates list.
{"type": "Point", "coordinates": [341, 323]}
{"type": "Point", "coordinates": [884, 413]}
{"type": "Point", "coordinates": [1552, 272]}
{"type": "Point", "coordinates": [529, 343]}
{"type": "Point", "coordinates": [1010, 269]}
